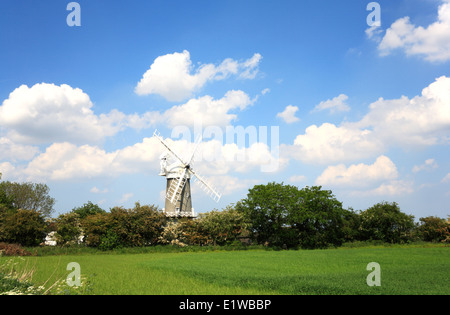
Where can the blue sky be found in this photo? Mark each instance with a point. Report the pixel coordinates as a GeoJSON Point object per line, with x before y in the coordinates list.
{"type": "Point", "coordinates": [364, 112]}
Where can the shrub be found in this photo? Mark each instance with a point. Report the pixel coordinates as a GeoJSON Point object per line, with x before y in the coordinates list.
{"type": "Point", "coordinates": [140, 226]}
{"type": "Point", "coordinates": [68, 229]}
{"type": "Point", "coordinates": [384, 221]}
{"type": "Point", "coordinates": [433, 229]}
{"type": "Point", "coordinates": [222, 227]}
{"type": "Point", "coordinates": [24, 227]}
{"type": "Point", "coordinates": [173, 234]}
{"type": "Point", "coordinates": [87, 209]}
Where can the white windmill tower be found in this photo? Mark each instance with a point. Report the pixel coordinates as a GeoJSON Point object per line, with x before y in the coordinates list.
{"type": "Point", "coordinates": [179, 175]}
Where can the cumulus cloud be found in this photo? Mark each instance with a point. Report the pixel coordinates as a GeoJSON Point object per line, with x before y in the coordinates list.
{"type": "Point", "coordinates": [48, 113]}
{"type": "Point", "coordinates": [392, 188]}
{"type": "Point", "coordinates": [66, 161]}
{"type": "Point", "coordinates": [377, 179]}
{"type": "Point", "coordinates": [359, 175]}
{"type": "Point", "coordinates": [10, 151]}
{"type": "Point", "coordinates": [288, 115]}
{"type": "Point", "coordinates": [329, 143]}
{"type": "Point", "coordinates": [337, 104]}
{"type": "Point", "coordinates": [208, 111]}
{"type": "Point", "coordinates": [431, 42]}
{"type": "Point", "coordinates": [423, 120]}
{"type": "Point", "coordinates": [173, 76]}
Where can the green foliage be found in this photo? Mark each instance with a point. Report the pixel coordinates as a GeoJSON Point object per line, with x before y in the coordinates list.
{"type": "Point", "coordinates": [87, 209]}
{"type": "Point", "coordinates": [68, 229]}
{"type": "Point", "coordinates": [24, 227]}
{"type": "Point", "coordinates": [267, 208]}
{"type": "Point", "coordinates": [283, 215]}
{"type": "Point", "coordinates": [318, 218]}
{"type": "Point", "coordinates": [433, 229]}
{"type": "Point", "coordinates": [28, 196]}
{"type": "Point", "coordinates": [140, 226]}
{"type": "Point", "coordinates": [384, 221]}
{"type": "Point", "coordinates": [222, 227]}
{"type": "Point", "coordinates": [109, 241]}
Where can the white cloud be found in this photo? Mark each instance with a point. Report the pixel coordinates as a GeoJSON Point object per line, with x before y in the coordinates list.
{"type": "Point", "coordinates": [125, 197]}
{"type": "Point", "coordinates": [429, 164]}
{"type": "Point", "coordinates": [446, 179]}
{"type": "Point", "coordinates": [48, 113]}
{"type": "Point", "coordinates": [360, 175]}
{"type": "Point", "coordinates": [207, 111]}
{"type": "Point", "coordinates": [337, 104]}
{"type": "Point", "coordinates": [66, 161]}
{"type": "Point", "coordinates": [10, 151]}
{"type": "Point", "coordinates": [227, 185]}
{"type": "Point", "coordinates": [288, 115]}
{"type": "Point", "coordinates": [421, 121]}
{"type": "Point", "coordinates": [250, 67]}
{"type": "Point", "coordinates": [392, 188]}
{"type": "Point", "coordinates": [96, 190]}
{"type": "Point", "coordinates": [374, 32]}
{"type": "Point", "coordinates": [329, 144]}
{"type": "Point", "coordinates": [7, 171]}
{"type": "Point", "coordinates": [172, 76]}
{"type": "Point", "coordinates": [431, 42]}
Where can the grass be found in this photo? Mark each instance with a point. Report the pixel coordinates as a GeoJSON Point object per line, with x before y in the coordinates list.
{"type": "Point", "coordinates": [404, 270]}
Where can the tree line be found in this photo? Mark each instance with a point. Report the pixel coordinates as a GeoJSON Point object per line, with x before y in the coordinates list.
{"type": "Point", "coordinates": [274, 214]}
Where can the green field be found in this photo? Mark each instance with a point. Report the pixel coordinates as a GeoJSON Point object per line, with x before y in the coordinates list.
{"type": "Point", "coordinates": [404, 270]}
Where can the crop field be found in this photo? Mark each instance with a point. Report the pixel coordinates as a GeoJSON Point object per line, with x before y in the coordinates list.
{"type": "Point", "coordinates": [403, 270]}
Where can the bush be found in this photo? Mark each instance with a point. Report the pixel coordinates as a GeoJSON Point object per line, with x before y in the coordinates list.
{"type": "Point", "coordinates": [433, 229]}
{"type": "Point", "coordinates": [140, 226]}
{"type": "Point", "coordinates": [109, 241]}
{"type": "Point", "coordinates": [222, 227]}
{"type": "Point", "coordinates": [24, 227]}
{"type": "Point", "coordinates": [87, 209]}
{"type": "Point", "coordinates": [68, 229]}
{"type": "Point", "coordinates": [384, 221]}
{"type": "Point", "coordinates": [285, 216]}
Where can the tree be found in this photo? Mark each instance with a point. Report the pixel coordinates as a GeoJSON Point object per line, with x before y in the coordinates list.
{"type": "Point", "coordinates": [24, 227]}
{"type": "Point", "coordinates": [6, 201]}
{"type": "Point", "coordinates": [318, 217]}
{"type": "Point", "coordinates": [140, 226]}
{"type": "Point", "coordinates": [68, 229]}
{"type": "Point", "coordinates": [87, 209]}
{"type": "Point", "coordinates": [28, 196]}
{"type": "Point", "coordinates": [384, 221]}
{"type": "Point", "coordinates": [433, 229]}
{"type": "Point", "coordinates": [283, 215]}
{"type": "Point", "coordinates": [267, 207]}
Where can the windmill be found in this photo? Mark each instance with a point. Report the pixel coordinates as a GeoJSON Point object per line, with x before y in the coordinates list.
{"type": "Point", "coordinates": [179, 175]}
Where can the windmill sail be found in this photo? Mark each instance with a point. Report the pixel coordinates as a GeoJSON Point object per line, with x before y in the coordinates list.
{"type": "Point", "coordinates": [176, 188]}
{"type": "Point", "coordinates": [212, 192]}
